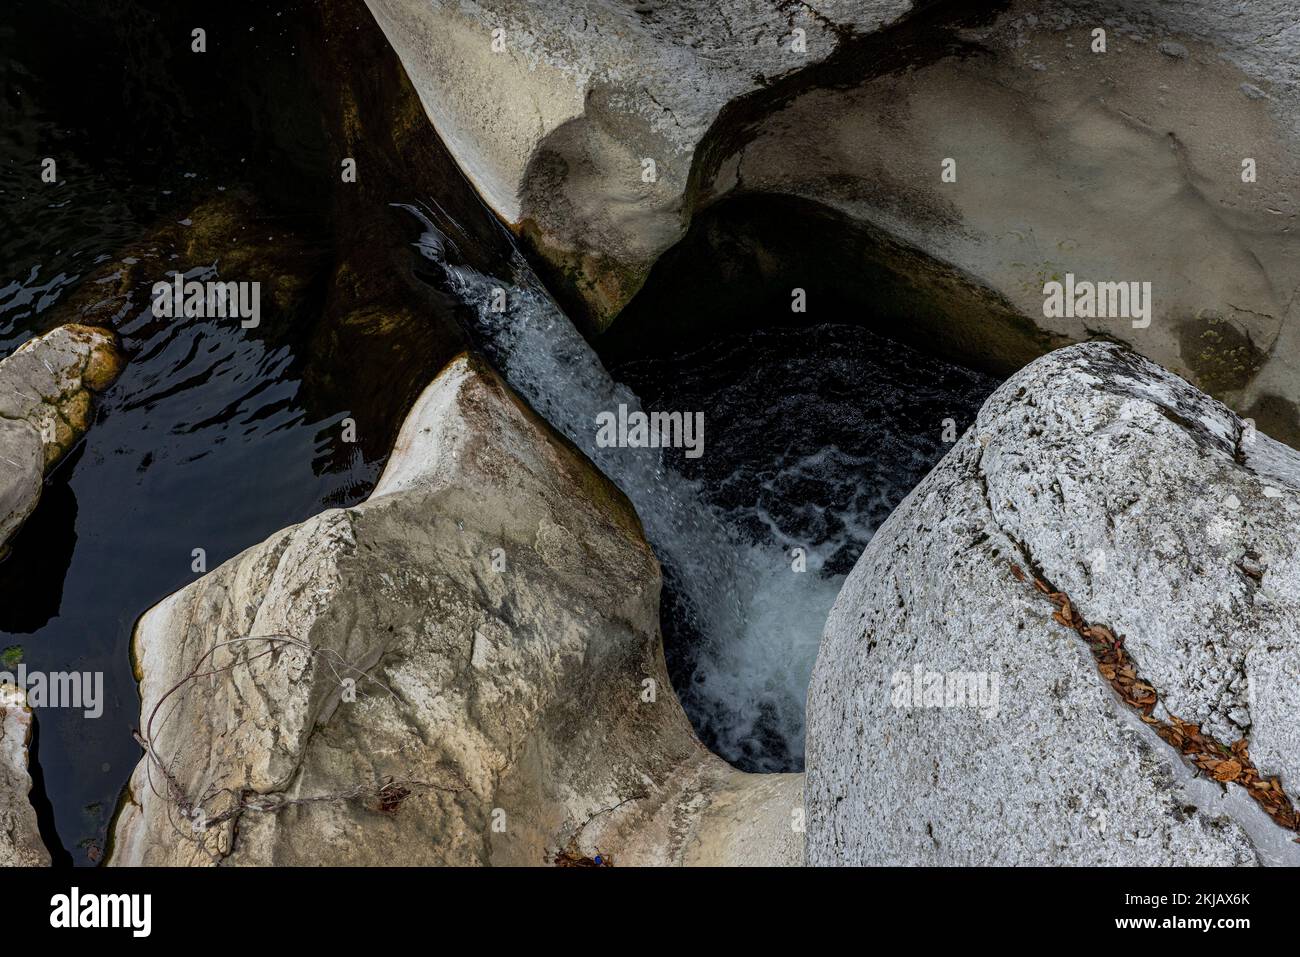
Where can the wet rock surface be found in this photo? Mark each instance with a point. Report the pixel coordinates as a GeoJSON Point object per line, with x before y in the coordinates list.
{"type": "Point", "coordinates": [46, 392]}
{"type": "Point", "coordinates": [20, 839]}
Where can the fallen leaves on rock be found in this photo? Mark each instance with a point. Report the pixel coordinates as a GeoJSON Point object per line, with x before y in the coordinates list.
{"type": "Point", "coordinates": [1225, 764]}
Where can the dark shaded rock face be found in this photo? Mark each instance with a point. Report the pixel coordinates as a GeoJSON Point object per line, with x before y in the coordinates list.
{"type": "Point", "coordinates": [747, 257]}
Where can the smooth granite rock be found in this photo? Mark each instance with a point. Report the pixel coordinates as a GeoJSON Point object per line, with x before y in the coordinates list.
{"type": "Point", "coordinates": [464, 669]}
{"type": "Point", "coordinates": [1163, 518]}
{"type": "Point", "coordinates": [1068, 159]}
{"type": "Point", "coordinates": [555, 110]}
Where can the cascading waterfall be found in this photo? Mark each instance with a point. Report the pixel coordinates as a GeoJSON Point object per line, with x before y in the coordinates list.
{"type": "Point", "coordinates": [755, 622]}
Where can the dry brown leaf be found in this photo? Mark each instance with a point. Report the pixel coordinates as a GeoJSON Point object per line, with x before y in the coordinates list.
{"type": "Point", "coordinates": [1228, 770]}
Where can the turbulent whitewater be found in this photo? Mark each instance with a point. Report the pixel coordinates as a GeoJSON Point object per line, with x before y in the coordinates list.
{"type": "Point", "coordinates": [757, 534]}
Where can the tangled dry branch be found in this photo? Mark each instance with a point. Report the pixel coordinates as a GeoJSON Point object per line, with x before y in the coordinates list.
{"type": "Point", "coordinates": [386, 796]}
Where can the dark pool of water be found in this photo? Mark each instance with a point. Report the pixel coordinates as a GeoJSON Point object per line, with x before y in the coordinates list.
{"type": "Point", "coordinates": [208, 440]}
{"type": "Point", "coordinates": [813, 436]}
{"type": "Point", "coordinates": [138, 127]}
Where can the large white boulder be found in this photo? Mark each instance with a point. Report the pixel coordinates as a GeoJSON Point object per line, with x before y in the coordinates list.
{"type": "Point", "coordinates": [555, 110]}
{"type": "Point", "coordinates": [1164, 520]}
{"type": "Point", "coordinates": [464, 669]}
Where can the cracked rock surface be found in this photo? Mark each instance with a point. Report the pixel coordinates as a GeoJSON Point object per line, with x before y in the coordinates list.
{"type": "Point", "coordinates": [495, 606]}
{"type": "Point", "coordinates": [1163, 517]}
{"type": "Point", "coordinates": [46, 389]}
{"type": "Point", "coordinates": [20, 839]}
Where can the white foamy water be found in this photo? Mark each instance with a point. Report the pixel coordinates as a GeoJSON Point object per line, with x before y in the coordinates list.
{"type": "Point", "coordinates": [753, 622]}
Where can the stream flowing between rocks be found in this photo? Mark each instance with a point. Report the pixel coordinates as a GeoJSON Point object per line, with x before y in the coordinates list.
{"type": "Point", "coordinates": [812, 436]}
